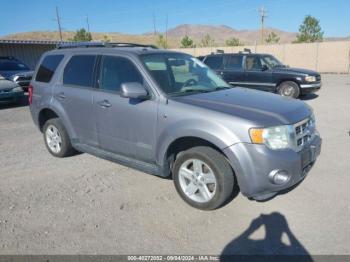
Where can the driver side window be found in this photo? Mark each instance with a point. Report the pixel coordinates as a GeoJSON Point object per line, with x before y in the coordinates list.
{"type": "Point", "coordinates": [117, 70]}
{"type": "Point", "coordinates": [253, 63]}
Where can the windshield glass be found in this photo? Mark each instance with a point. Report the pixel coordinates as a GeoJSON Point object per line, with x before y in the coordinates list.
{"type": "Point", "coordinates": [10, 65]}
{"type": "Point", "coordinates": [181, 74]}
{"type": "Point", "coordinates": [271, 61]}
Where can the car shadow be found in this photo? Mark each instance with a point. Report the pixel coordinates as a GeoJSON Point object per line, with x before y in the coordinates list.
{"type": "Point", "coordinates": [13, 104]}
{"type": "Point", "coordinates": [308, 97]}
{"type": "Point", "coordinates": [272, 245]}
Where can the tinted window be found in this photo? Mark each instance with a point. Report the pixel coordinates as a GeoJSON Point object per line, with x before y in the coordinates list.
{"type": "Point", "coordinates": [214, 62]}
{"type": "Point", "coordinates": [234, 62]}
{"type": "Point", "coordinates": [253, 63]}
{"type": "Point", "coordinates": [48, 67]}
{"type": "Point", "coordinates": [117, 70]}
{"type": "Point", "coordinates": [12, 65]}
{"type": "Point", "coordinates": [79, 71]}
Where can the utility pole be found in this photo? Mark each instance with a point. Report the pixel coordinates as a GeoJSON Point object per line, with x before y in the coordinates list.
{"type": "Point", "coordinates": [166, 32]}
{"type": "Point", "coordinates": [262, 13]}
{"type": "Point", "coordinates": [154, 25]}
{"type": "Point", "coordinates": [87, 23]}
{"type": "Point", "coordinates": [59, 23]}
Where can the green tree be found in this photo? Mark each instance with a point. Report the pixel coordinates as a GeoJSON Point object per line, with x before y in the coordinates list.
{"type": "Point", "coordinates": [233, 41]}
{"type": "Point", "coordinates": [207, 41]}
{"type": "Point", "coordinates": [160, 41]}
{"type": "Point", "coordinates": [310, 31]}
{"type": "Point", "coordinates": [82, 35]}
{"type": "Point", "coordinates": [187, 42]}
{"type": "Point", "coordinates": [106, 39]}
{"type": "Point", "coordinates": [272, 38]}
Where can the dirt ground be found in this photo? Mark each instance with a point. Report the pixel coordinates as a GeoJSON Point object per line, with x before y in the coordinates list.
{"type": "Point", "coordinates": [86, 205]}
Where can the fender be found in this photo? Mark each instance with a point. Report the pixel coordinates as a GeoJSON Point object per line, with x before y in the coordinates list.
{"type": "Point", "coordinates": [213, 132]}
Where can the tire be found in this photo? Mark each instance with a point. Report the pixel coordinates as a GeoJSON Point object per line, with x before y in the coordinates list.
{"type": "Point", "coordinates": [289, 89]}
{"type": "Point", "coordinates": [59, 136]}
{"type": "Point", "coordinates": [211, 166]}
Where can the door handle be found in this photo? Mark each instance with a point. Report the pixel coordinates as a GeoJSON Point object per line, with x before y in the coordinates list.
{"type": "Point", "coordinates": [61, 95]}
{"type": "Point", "coordinates": [104, 104]}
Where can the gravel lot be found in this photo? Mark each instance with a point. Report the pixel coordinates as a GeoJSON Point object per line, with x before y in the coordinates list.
{"type": "Point", "coordinates": [86, 205]}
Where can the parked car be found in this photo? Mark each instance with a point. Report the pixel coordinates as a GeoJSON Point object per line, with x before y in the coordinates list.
{"type": "Point", "coordinates": [169, 115]}
{"type": "Point", "coordinates": [263, 72]}
{"type": "Point", "coordinates": [15, 71]}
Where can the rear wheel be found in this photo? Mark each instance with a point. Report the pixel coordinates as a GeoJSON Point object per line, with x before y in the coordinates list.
{"type": "Point", "coordinates": [203, 177]}
{"type": "Point", "coordinates": [289, 89]}
{"type": "Point", "coordinates": [56, 138]}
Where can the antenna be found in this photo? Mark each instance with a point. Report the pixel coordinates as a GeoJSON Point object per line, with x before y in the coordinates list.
{"type": "Point", "coordinates": [263, 15]}
{"type": "Point", "coordinates": [59, 23]}
{"type": "Point", "coordinates": [154, 25]}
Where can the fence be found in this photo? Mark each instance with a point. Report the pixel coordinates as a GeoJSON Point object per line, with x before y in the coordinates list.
{"type": "Point", "coordinates": [325, 57]}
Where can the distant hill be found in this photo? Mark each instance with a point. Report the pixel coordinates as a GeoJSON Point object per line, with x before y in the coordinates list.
{"type": "Point", "coordinates": [219, 33]}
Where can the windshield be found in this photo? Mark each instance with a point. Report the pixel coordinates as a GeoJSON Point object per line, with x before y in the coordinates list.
{"type": "Point", "coordinates": [181, 74]}
{"type": "Point", "coordinates": [271, 61]}
{"type": "Point", "coordinates": [11, 65]}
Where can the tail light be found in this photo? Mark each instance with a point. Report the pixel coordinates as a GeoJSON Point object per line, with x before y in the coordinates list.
{"type": "Point", "coordinates": [30, 94]}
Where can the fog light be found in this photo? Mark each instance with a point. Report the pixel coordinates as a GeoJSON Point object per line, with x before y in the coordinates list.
{"type": "Point", "coordinates": [279, 177]}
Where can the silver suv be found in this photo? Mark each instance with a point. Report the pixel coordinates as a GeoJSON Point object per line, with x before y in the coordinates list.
{"type": "Point", "coordinates": [169, 115]}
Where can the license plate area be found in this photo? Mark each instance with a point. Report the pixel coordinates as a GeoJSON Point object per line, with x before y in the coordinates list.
{"type": "Point", "coordinates": [309, 155]}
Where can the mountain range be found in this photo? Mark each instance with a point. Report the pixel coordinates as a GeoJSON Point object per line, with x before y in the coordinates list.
{"type": "Point", "coordinates": [219, 33]}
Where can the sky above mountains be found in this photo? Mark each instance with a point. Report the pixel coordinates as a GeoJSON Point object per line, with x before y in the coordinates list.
{"type": "Point", "coordinates": [138, 16]}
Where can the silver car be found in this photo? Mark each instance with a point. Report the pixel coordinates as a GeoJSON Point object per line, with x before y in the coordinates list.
{"type": "Point", "coordinates": [169, 115]}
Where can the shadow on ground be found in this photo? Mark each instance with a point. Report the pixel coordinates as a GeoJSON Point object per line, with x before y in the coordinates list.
{"type": "Point", "coordinates": [278, 240]}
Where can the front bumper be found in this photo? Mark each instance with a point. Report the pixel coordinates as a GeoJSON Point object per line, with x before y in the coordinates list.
{"type": "Point", "coordinates": [254, 163]}
{"type": "Point", "coordinates": [310, 87]}
{"type": "Point", "coordinates": [11, 95]}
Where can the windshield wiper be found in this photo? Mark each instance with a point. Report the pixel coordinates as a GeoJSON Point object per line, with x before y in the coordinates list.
{"type": "Point", "coordinates": [222, 88]}
{"type": "Point", "coordinates": [189, 91]}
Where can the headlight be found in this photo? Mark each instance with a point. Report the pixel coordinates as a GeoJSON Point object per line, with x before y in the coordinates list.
{"type": "Point", "coordinates": [310, 78]}
{"type": "Point", "coordinates": [278, 137]}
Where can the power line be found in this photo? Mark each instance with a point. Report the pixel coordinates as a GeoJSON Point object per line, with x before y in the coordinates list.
{"type": "Point", "coordinates": [263, 15]}
{"type": "Point", "coordinates": [58, 23]}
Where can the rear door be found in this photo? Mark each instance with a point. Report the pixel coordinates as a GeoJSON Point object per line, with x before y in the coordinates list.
{"type": "Point", "coordinates": [125, 126]}
{"type": "Point", "coordinates": [257, 75]}
{"type": "Point", "coordinates": [75, 96]}
{"type": "Point", "coordinates": [233, 71]}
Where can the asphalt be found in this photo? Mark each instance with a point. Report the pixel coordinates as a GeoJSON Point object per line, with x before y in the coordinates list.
{"type": "Point", "coordinates": [86, 205]}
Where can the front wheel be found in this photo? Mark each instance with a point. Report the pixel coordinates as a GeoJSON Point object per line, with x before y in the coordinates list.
{"type": "Point", "coordinates": [203, 178]}
{"type": "Point", "coordinates": [289, 89]}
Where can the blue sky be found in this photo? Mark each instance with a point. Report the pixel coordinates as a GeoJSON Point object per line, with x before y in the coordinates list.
{"type": "Point", "coordinates": [135, 16]}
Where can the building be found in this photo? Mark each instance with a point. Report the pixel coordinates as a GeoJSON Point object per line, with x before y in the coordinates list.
{"type": "Point", "coordinates": [28, 51]}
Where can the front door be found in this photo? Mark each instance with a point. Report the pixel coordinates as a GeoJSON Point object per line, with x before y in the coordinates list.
{"type": "Point", "coordinates": [257, 74]}
{"type": "Point", "coordinates": [125, 126]}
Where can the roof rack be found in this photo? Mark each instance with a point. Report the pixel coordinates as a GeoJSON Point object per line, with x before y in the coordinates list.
{"type": "Point", "coordinates": [101, 44]}
{"type": "Point", "coordinates": [246, 50]}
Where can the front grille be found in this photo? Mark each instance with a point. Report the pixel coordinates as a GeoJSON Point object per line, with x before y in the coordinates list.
{"type": "Point", "coordinates": [304, 132]}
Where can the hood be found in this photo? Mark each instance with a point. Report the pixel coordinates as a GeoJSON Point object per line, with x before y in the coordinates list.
{"type": "Point", "coordinates": [11, 74]}
{"type": "Point", "coordinates": [295, 71]}
{"type": "Point", "coordinates": [262, 108]}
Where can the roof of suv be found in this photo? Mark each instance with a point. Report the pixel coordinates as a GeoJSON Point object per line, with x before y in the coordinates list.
{"type": "Point", "coordinates": [104, 50]}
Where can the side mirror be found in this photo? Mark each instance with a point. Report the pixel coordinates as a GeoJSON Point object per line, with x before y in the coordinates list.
{"type": "Point", "coordinates": [134, 90]}
{"type": "Point", "coordinates": [265, 68]}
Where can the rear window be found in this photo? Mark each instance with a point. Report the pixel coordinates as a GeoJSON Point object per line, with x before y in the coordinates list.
{"type": "Point", "coordinates": [214, 62]}
{"type": "Point", "coordinates": [79, 71]}
{"type": "Point", "coordinates": [48, 67]}
{"type": "Point", "coordinates": [234, 62]}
